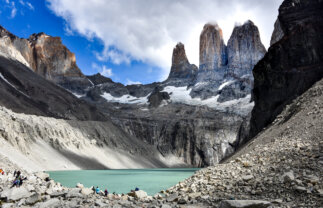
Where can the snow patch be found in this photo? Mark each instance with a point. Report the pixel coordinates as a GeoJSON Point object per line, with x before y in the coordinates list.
{"type": "Point", "coordinates": [91, 82]}
{"type": "Point", "coordinates": [225, 84]}
{"type": "Point", "coordinates": [182, 95]}
{"type": "Point", "coordinates": [126, 99]}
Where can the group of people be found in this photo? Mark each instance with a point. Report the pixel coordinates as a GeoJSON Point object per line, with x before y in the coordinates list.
{"type": "Point", "coordinates": [18, 179]}
{"type": "Point", "coordinates": [98, 191]}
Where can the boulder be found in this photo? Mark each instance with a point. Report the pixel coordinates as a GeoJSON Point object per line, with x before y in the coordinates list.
{"type": "Point", "coordinates": [15, 194]}
{"type": "Point", "coordinates": [86, 191]}
{"type": "Point", "coordinates": [172, 198]}
{"type": "Point", "coordinates": [140, 194]}
{"type": "Point", "coordinates": [289, 176]}
{"type": "Point", "coordinates": [100, 204]}
{"type": "Point", "coordinates": [244, 204]}
{"type": "Point", "coordinates": [50, 203]}
{"type": "Point", "coordinates": [42, 175]}
{"type": "Point", "coordinates": [33, 199]}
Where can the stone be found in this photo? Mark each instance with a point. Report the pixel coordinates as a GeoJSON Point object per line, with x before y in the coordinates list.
{"type": "Point", "coordinates": [15, 194]}
{"type": "Point", "coordinates": [172, 198]}
{"type": "Point", "coordinates": [79, 185]}
{"type": "Point", "coordinates": [194, 195]}
{"type": "Point", "coordinates": [244, 204]}
{"type": "Point", "coordinates": [86, 191]}
{"type": "Point", "coordinates": [140, 194]}
{"type": "Point", "coordinates": [42, 175]}
{"type": "Point", "coordinates": [33, 199]}
{"type": "Point", "coordinates": [50, 203]}
{"type": "Point", "coordinates": [100, 204]}
{"type": "Point", "coordinates": [289, 176]}
{"type": "Point", "coordinates": [247, 177]}
{"type": "Point", "coordinates": [300, 189]}
{"type": "Point", "coordinates": [57, 194]}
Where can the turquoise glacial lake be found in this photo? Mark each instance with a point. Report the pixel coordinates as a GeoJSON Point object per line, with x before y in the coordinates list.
{"type": "Point", "coordinates": [122, 181]}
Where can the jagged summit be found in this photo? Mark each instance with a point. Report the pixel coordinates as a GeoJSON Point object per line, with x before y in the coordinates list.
{"type": "Point", "coordinates": [212, 48]}
{"type": "Point", "coordinates": [244, 48]}
{"type": "Point", "coordinates": [181, 67]}
{"type": "Point", "coordinates": [179, 55]}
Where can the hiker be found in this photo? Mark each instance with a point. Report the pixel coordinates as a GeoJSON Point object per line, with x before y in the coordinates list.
{"type": "Point", "coordinates": [136, 189]}
{"type": "Point", "coordinates": [106, 192]}
{"type": "Point", "coordinates": [22, 179]}
{"type": "Point", "coordinates": [16, 182]}
{"type": "Point", "coordinates": [97, 190]}
{"type": "Point", "coordinates": [93, 189]}
{"type": "Point", "coordinates": [1, 171]}
{"type": "Point", "coordinates": [17, 174]}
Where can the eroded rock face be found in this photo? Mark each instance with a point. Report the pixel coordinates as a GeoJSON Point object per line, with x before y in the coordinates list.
{"type": "Point", "coordinates": [182, 72]}
{"type": "Point", "coordinates": [47, 56]}
{"type": "Point", "coordinates": [244, 49]}
{"type": "Point", "coordinates": [292, 65]}
{"type": "Point", "coordinates": [212, 48]}
{"type": "Point", "coordinates": [278, 33]}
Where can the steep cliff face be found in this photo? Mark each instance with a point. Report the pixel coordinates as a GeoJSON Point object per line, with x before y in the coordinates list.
{"type": "Point", "coordinates": [244, 49]}
{"type": "Point", "coordinates": [181, 68]}
{"type": "Point", "coordinates": [278, 33]}
{"type": "Point", "coordinates": [228, 73]}
{"type": "Point", "coordinates": [46, 56]}
{"type": "Point", "coordinates": [213, 53]}
{"type": "Point", "coordinates": [292, 65]}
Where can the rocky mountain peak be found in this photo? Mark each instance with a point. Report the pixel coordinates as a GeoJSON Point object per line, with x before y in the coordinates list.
{"type": "Point", "coordinates": [244, 48]}
{"type": "Point", "coordinates": [179, 55]}
{"type": "Point", "coordinates": [181, 68]}
{"type": "Point", "coordinates": [212, 48]}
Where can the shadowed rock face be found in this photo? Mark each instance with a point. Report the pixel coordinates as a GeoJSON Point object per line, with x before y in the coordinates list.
{"type": "Point", "coordinates": [244, 49]}
{"type": "Point", "coordinates": [277, 33]}
{"type": "Point", "coordinates": [292, 65]}
{"type": "Point", "coordinates": [212, 48]}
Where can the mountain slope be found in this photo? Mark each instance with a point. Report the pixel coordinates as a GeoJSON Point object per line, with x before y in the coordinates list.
{"type": "Point", "coordinates": [282, 165]}
{"type": "Point", "coordinates": [292, 64]}
{"type": "Point", "coordinates": [26, 92]}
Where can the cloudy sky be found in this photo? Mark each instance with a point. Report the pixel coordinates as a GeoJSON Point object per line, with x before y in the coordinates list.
{"type": "Point", "coordinates": [131, 41]}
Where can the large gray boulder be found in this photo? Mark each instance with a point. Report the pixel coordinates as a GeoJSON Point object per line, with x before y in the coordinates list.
{"type": "Point", "coordinates": [244, 204]}
{"type": "Point", "coordinates": [14, 194]}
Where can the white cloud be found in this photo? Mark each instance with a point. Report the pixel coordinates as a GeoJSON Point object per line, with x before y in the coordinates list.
{"type": "Point", "coordinates": [148, 30]}
{"type": "Point", "coordinates": [103, 70]}
{"type": "Point", "coordinates": [13, 10]}
{"type": "Point", "coordinates": [26, 4]}
{"type": "Point", "coordinates": [129, 82]}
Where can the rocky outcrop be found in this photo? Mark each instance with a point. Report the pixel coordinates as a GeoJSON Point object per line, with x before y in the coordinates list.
{"type": "Point", "coordinates": [244, 49]}
{"type": "Point", "coordinates": [292, 65]}
{"type": "Point", "coordinates": [278, 33]}
{"type": "Point", "coordinates": [47, 56]}
{"type": "Point", "coordinates": [213, 53]}
{"type": "Point", "coordinates": [181, 71]}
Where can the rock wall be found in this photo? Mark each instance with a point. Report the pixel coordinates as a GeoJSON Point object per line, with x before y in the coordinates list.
{"type": "Point", "coordinates": [181, 70]}
{"type": "Point", "coordinates": [213, 54]}
{"type": "Point", "coordinates": [292, 65]}
{"type": "Point", "coordinates": [244, 49]}
{"type": "Point", "coordinates": [47, 56]}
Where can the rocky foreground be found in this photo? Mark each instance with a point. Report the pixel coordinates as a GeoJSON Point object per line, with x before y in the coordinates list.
{"type": "Point", "coordinates": [281, 167]}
